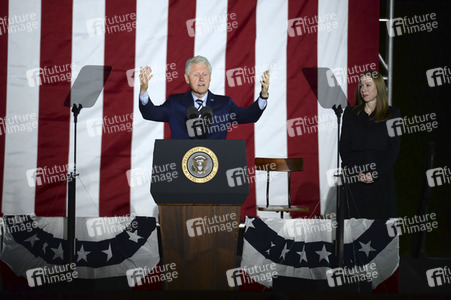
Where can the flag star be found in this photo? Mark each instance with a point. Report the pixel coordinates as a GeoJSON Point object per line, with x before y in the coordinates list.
{"type": "Point", "coordinates": [32, 239]}
{"type": "Point", "coordinates": [133, 236]}
{"type": "Point", "coordinates": [108, 252]}
{"type": "Point", "coordinates": [284, 251]}
{"type": "Point", "coordinates": [272, 245]}
{"type": "Point", "coordinates": [366, 248]}
{"type": "Point", "coordinates": [249, 224]}
{"type": "Point", "coordinates": [323, 254]}
{"type": "Point", "coordinates": [58, 252]}
{"type": "Point", "coordinates": [303, 255]}
{"type": "Point", "coordinates": [82, 254]}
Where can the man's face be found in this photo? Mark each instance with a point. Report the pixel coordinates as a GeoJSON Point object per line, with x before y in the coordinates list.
{"type": "Point", "coordinates": [198, 79]}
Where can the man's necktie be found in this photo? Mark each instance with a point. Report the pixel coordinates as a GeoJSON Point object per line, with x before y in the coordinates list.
{"type": "Point", "coordinates": [199, 102]}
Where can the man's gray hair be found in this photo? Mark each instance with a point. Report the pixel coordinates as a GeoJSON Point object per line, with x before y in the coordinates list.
{"type": "Point", "coordinates": [197, 60]}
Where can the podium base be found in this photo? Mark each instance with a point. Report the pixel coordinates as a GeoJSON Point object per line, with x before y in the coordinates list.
{"type": "Point", "coordinates": [202, 241]}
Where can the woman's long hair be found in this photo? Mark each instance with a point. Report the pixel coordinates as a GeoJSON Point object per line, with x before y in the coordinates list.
{"type": "Point", "coordinates": [381, 112]}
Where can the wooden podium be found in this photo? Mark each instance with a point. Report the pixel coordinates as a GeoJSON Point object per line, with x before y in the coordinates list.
{"type": "Point", "coordinates": [199, 209]}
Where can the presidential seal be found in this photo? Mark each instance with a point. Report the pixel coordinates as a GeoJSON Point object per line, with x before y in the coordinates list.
{"type": "Point", "coordinates": [200, 164]}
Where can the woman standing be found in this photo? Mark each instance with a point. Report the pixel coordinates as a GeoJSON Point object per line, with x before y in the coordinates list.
{"type": "Point", "coordinates": [369, 148]}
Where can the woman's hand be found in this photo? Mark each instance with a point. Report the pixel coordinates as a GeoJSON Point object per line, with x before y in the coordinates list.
{"type": "Point", "coordinates": [366, 178]}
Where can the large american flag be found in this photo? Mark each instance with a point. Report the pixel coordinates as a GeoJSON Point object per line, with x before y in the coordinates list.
{"type": "Point", "coordinates": [44, 44]}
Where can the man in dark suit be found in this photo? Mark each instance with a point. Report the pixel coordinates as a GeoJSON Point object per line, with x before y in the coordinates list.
{"type": "Point", "coordinates": [174, 111]}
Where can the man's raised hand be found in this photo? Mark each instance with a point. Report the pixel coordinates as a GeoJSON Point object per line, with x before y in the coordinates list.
{"type": "Point", "coordinates": [144, 78]}
{"type": "Point", "coordinates": [265, 84]}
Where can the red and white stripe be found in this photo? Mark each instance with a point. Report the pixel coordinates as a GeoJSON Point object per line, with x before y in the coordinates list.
{"type": "Point", "coordinates": [66, 35]}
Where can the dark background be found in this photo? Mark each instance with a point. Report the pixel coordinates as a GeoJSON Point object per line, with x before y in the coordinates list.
{"type": "Point", "coordinates": [413, 55]}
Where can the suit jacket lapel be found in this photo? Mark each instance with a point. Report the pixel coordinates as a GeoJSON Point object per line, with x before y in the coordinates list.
{"type": "Point", "coordinates": [211, 100]}
{"type": "Point", "coordinates": [188, 99]}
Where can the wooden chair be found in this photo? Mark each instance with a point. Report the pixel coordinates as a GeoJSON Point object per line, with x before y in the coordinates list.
{"type": "Point", "coordinates": [281, 165]}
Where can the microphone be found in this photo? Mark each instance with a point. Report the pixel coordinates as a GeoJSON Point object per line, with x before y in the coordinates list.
{"type": "Point", "coordinates": [206, 112]}
{"type": "Point", "coordinates": [195, 124]}
{"type": "Point", "coordinates": [192, 113]}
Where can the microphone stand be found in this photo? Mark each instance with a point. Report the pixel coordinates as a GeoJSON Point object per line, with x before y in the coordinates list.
{"type": "Point", "coordinates": [83, 94]}
{"type": "Point", "coordinates": [341, 190]}
{"type": "Point", "coordinates": [72, 183]}
{"type": "Point", "coordinates": [342, 194]}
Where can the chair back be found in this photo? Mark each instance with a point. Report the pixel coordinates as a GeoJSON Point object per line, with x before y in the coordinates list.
{"type": "Point", "coordinates": [279, 164]}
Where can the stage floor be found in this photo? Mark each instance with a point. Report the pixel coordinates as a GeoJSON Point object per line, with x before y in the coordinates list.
{"type": "Point", "coordinates": [412, 282]}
